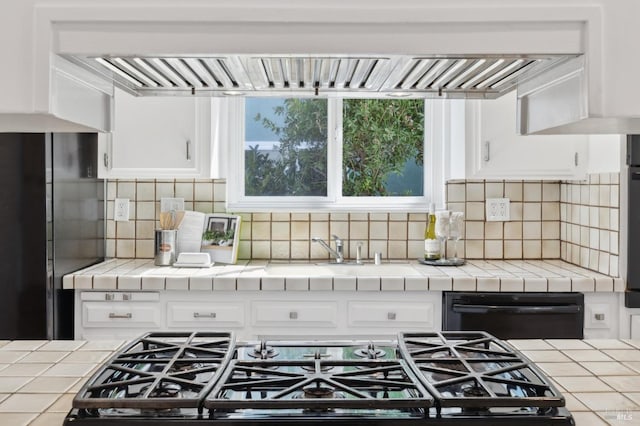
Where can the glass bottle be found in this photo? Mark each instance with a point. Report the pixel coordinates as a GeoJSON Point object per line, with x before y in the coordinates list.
{"type": "Point", "coordinates": [431, 243]}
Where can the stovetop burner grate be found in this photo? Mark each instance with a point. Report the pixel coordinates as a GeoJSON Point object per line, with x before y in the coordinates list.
{"type": "Point", "coordinates": [475, 370]}
{"type": "Point", "coordinates": [318, 384]}
{"type": "Point", "coordinates": [159, 371]}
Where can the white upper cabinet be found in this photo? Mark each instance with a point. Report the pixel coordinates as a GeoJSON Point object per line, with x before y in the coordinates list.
{"type": "Point", "coordinates": [494, 150]}
{"type": "Point", "coordinates": [158, 137]}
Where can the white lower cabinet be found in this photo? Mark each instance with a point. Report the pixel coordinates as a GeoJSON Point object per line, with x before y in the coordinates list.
{"type": "Point", "coordinates": [635, 326]}
{"type": "Point", "coordinates": [602, 315]}
{"type": "Point", "coordinates": [253, 315]}
{"type": "Point", "coordinates": [198, 315]}
{"type": "Point", "coordinates": [393, 315]}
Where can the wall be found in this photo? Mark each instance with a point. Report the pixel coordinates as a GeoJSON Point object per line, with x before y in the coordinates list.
{"type": "Point", "coordinates": [575, 221]}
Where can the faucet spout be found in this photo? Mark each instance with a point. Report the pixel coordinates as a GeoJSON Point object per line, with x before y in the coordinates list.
{"type": "Point", "coordinates": [338, 253]}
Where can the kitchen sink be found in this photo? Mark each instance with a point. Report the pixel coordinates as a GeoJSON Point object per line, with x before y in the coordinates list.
{"type": "Point", "coordinates": [324, 269]}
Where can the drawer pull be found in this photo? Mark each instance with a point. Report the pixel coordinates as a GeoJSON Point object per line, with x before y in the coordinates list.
{"type": "Point", "coordinates": [113, 315]}
{"type": "Point", "coordinates": [126, 296]}
{"type": "Point", "coordinates": [293, 315]}
{"type": "Point", "coordinates": [391, 316]}
{"type": "Point", "coordinates": [204, 315]}
{"type": "Point", "coordinates": [108, 296]}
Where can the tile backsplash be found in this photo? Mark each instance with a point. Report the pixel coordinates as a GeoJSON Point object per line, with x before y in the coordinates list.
{"type": "Point", "coordinates": [575, 221]}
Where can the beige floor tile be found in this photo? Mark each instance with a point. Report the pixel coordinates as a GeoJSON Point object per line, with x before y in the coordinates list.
{"type": "Point", "coordinates": [23, 345]}
{"type": "Point", "coordinates": [102, 345]}
{"type": "Point", "coordinates": [25, 370]}
{"type": "Point", "coordinates": [621, 417]}
{"type": "Point", "coordinates": [69, 370]}
{"type": "Point", "coordinates": [16, 419]}
{"type": "Point", "coordinates": [586, 355]}
{"type": "Point", "coordinates": [93, 357]}
{"type": "Point", "coordinates": [4, 342]}
{"type": "Point", "coordinates": [546, 356]}
{"type": "Point", "coordinates": [587, 419]}
{"type": "Point", "coordinates": [49, 419]}
{"type": "Point", "coordinates": [601, 401]}
{"type": "Point", "coordinates": [530, 344]}
{"type": "Point", "coordinates": [608, 368]}
{"type": "Point", "coordinates": [632, 342]}
{"type": "Point", "coordinates": [49, 385]}
{"type": "Point", "coordinates": [12, 384]}
{"type": "Point", "coordinates": [12, 356]}
{"type": "Point", "coordinates": [623, 355]}
{"type": "Point", "coordinates": [623, 383]}
{"type": "Point", "coordinates": [62, 345]}
{"type": "Point", "coordinates": [3, 366]}
{"type": "Point", "coordinates": [634, 365]}
{"type": "Point", "coordinates": [573, 404]}
{"type": "Point", "coordinates": [583, 384]}
{"type": "Point", "coordinates": [63, 404]}
{"type": "Point", "coordinates": [568, 344]}
{"type": "Point", "coordinates": [559, 369]}
{"type": "Point", "coordinates": [607, 344]}
{"type": "Point", "coordinates": [47, 356]}
{"type": "Point", "coordinates": [27, 402]}
{"type": "Point", "coordinates": [634, 396]}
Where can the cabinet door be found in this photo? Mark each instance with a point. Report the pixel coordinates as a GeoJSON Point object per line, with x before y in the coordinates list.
{"type": "Point", "coordinates": [392, 314]}
{"type": "Point", "coordinates": [635, 326]}
{"type": "Point", "coordinates": [205, 315]}
{"type": "Point", "coordinates": [158, 137]}
{"type": "Point", "coordinates": [495, 150]}
{"type": "Point", "coordinates": [295, 314]}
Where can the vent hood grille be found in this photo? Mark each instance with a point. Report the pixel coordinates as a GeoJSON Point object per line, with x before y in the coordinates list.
{"type": "Point", "coordinates": [487, 76]}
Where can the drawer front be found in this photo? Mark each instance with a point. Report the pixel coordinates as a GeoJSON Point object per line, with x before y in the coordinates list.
{"type": "Point", "coordinates": [121, 314]}
{"type": "Point", "coordinates": [194, 314]}
{"type": "Point", "coordinates": [295, 313]}
{"type": "Point", "coordinates": [119, 296]}
{"type": "Point", "coordinates": [391, 314]}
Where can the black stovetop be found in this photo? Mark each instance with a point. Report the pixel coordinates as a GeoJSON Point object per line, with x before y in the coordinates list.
{"type": "Point", "coordinates": [419, 379]}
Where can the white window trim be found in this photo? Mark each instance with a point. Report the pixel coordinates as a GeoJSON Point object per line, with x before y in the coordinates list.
{"type": "Point", "coordinates": [436, 154]}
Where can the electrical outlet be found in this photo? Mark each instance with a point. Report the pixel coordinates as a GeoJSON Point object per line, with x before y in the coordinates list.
{"type": "Point", "coordinates": [497, 209]}
{"type": "Point", "coordinates": [169, 204]}
{"type": "Point", "coordinates": [121, 210]}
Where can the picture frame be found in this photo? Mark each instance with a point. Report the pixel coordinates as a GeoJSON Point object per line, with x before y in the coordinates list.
{"type": "Point", "coordinates": [220, 237]}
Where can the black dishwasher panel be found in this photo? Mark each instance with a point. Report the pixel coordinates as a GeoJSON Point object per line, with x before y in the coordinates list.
{"type": "Point", "coordinates": [516, 315]}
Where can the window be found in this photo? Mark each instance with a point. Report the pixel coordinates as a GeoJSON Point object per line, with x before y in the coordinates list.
{"type": "Point", "coordinates": [333, 154]}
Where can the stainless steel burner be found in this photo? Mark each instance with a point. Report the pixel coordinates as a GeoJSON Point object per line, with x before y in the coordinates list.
{"type": "Point", "coordinates": [370, 352]}
{"type": "Point", "coordinates": [263, 351]}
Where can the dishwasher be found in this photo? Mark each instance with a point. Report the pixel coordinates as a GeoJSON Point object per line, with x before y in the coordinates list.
{"type": "Point", "coordinates": [515, 315]}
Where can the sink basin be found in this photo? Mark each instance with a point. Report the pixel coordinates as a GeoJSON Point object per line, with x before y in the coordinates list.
{"type": "Point", "coordinates": [324, 269]}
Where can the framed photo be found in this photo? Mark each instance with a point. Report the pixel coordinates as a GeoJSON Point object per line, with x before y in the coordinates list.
{"type": "Point", "coordinates": [220, 237]}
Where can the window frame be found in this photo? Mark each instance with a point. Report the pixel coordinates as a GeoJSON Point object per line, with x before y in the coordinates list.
{"type": "Point", "coordinates": [436, 154]}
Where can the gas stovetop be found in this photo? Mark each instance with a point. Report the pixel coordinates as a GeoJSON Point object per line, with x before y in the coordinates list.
{"type": "Point", "coordinates": [419, 379]}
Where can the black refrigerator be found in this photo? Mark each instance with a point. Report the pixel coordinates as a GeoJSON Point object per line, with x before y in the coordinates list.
{"type": "Point", "coordinates": [51, 223]}
{"type": "Point", "coordinates": [632, 294]}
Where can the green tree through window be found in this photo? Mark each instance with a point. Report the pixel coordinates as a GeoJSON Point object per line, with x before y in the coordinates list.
{"type": "Point", "coordinates": [286, 147]}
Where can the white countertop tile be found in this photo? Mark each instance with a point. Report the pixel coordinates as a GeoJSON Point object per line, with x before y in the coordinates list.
{"type": "Point", "coordinates": [476, 275]}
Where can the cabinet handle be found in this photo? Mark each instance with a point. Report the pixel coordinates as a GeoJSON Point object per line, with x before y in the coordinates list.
{"type": "Point", "coordinates": [105, 160]}
{"type": "Point", "coordinates": [486, 156]}
{"type": "Point", "coordinates": [204, 315]}
{"type": "Point", "coordinates": [391, 316]}
{"type": "Point", "coordinates": [293, 315]}
{"type": "Point", "coordinates": [108, 297]}
{"type": "Point", "coordinates": [113, 315]}
{"type": "Point", "coordinates": [188, 150]}
{"type": "Point", "coordinates": [126, 296]}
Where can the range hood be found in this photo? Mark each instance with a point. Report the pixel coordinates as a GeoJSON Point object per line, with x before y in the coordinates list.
{"type": "Point", "coordinates": [459, 76]}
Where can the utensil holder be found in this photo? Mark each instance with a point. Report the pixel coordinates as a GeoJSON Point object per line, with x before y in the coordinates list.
{"type": "Point", "coordinates": [165, 247]}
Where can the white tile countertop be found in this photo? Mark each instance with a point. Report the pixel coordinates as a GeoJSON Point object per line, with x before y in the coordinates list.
{"type": "Point", "coordinates": [475, 275]}
{"type": "Point", "coordinates": [600, 379]}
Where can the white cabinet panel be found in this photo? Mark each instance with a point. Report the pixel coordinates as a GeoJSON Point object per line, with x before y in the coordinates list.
{"type": "Point", "coordinates": [635, 326]}
{"type": "Point", "coordinates": [202, 314]}
{"type": "Point", "coordinates": [295, 313]}
{"type": "Point", "coordinates": [495, 150]}
{"type": "Point", "coordinates": [120, 314]}
{"type": "Point", "coordinates": [158, 137]}
{"type": "Point", "coordinates": [394, 314]}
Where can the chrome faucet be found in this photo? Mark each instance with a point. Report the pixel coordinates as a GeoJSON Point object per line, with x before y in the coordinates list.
{"type": "Point", "coordinates": [338, 253]}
